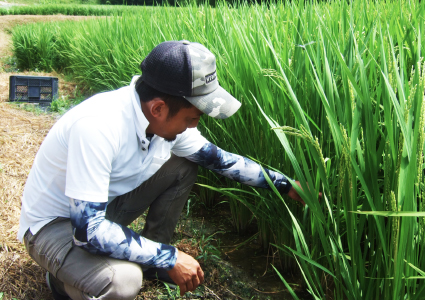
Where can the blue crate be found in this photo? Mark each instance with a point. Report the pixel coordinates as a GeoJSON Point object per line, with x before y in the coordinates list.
{"type": "Point", "coordinates": [33, 89]}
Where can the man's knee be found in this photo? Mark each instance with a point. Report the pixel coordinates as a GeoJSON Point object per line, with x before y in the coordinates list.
{"type": "Point", "coordinates": [126, 282]}
{"type": "Point", "coordinates": [186, 169]}
{"type": "Point", "coordinates": [190, 170]}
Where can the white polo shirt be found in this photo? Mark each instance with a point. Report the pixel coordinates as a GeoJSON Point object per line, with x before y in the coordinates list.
{"type": "Point", "coordinates": [97, 151]}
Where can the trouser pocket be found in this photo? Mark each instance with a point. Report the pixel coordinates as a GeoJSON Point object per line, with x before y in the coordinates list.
{"type": "Point", "coordinates": [50, 246]}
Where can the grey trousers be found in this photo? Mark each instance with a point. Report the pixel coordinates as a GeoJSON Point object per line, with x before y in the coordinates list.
{"type": "Point", "coordinates": [86, 276]}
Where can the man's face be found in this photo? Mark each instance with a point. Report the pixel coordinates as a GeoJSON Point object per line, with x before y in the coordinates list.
{"type": "Point", "coordinates": [184, 119]}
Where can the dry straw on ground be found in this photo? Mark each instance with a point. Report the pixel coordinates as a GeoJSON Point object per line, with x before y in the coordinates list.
{"type": "Point", "coordinates": [21, 134]}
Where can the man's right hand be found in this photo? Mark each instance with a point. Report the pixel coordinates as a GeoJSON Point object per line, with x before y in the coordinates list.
{"type": "Point", "coordinates": [187, 273]}
{"type": "Point", "coordinates": [294, 194]}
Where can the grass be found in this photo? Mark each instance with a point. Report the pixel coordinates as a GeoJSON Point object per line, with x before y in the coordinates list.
{"type": "Point", "coordinates": [30, 107]}
{"type": "Point", "coordinates": [332, 95]}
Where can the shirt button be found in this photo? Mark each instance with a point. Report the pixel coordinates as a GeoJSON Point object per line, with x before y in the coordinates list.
{"type": "Point", "coordinates": [143, 141]}
{"type": "Point", "coordinates": [143, 148]}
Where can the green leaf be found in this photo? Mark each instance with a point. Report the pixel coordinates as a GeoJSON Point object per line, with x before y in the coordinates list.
{"type": "Point", "coordinates": [290, 290]}
{"type": "Point", "coordinates": [391, 213]}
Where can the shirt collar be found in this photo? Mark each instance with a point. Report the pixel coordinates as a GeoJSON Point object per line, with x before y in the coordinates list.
{"type": "Point", "coordinates": [140, 120]}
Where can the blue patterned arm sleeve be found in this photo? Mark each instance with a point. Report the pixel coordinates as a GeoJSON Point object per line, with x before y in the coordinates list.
{"type": "Point", "coordinates": [238, 168]}
{"type": "Point", "coordinates": [98, 235]}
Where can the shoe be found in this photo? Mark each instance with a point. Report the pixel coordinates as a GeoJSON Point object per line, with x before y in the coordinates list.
{"type": "Point", "coordinates": [55, 293]}
{"type": "Point", "coordinates": [161, 275]}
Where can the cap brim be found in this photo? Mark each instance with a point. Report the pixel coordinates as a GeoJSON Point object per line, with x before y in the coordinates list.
{"type": "Point", "coordinates": [218, 104]}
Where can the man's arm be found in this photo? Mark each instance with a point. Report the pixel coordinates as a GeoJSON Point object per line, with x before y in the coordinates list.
{"type": "Point", "coordinates": [100, 236]}
{"type": "Point", "coordinates": [238, 168]}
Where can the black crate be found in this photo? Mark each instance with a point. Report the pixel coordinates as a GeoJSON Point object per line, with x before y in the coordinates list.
{"type": "Point", "coordinates": [33, 89]}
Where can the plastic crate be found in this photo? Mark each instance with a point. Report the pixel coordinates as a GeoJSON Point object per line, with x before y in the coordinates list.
{"type": "Point", "coordinates": [33, 89]}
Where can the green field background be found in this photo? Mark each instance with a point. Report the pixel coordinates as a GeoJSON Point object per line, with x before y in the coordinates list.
{"type": "Point", "coordinates": [332, 95]}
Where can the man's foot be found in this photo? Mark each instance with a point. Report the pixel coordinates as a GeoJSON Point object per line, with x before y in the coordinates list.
{"type": "Point", "coordinates": [161, 275]}
{"type": "Point", "coordinates": [51, 286]}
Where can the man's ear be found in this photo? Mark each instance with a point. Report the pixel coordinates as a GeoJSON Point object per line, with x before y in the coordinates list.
{"type": "Point", "coordinates": [158, 108]}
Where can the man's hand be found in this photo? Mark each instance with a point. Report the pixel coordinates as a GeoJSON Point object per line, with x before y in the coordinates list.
{"type": "Point", "coordinates": [187, 273]}
{"type": "Point", "coordinates": [294, 195]}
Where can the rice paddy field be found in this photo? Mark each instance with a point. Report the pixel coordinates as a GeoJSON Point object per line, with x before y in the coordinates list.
{"type": "Point", "coordinates": [332, 95]}
{"type": "Point", "coordinates": [66, 9]}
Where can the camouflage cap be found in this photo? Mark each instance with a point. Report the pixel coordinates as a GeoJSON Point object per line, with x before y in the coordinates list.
{"type": "Point", "coordinates": [186, 69]}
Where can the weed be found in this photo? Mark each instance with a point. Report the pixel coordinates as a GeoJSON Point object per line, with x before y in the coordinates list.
{"type": "Point", "coordinates": [208, 252]}
{"type": "Point", "coordinates": [172, 293]}
{"type": "Point", "coordinates": [64, 103]}
{"type": "Point", "coordinates": [9, 64]}
{"type": "Point", "coordinates": [60, 105]}
{"type": "Point", "coordinates": [34, 108]}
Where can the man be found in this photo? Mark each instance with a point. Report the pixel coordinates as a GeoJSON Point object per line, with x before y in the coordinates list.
{"type": "Point", "coordinates": [117, 154]}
